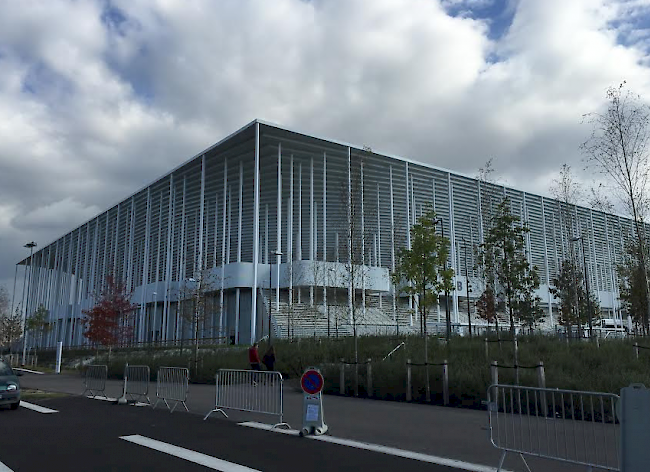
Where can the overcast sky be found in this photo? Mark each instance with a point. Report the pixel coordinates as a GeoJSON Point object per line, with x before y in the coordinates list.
{"type": "Point", "coordinates": [98, 98]}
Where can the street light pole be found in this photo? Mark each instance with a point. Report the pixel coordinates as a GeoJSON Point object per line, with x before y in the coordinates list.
{"type": "Point", "coordinates": [31, 246]}
{"type": "Point", "coordinates": [584, 262]}
{"type": "Point", "coordinates": [273, 254]}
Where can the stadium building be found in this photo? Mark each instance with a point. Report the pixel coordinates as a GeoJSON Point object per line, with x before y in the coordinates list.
{"type": "Point", "coordinates": [263, 222]}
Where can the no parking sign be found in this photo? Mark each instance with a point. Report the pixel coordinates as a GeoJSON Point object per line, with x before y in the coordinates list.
{"type": "Point", "coordinates": [312, 382]}
{"type": "Point", "coordinates": [312, 415]}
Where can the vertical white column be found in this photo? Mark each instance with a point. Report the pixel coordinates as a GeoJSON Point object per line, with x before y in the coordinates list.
{"type": "Point", "coordinates": [378, 258]}
{"type": "Point", "coordinates": [278, 259]}
{"type": "Point", "coordinates": [228, 260]}
{"type": "Point", "coordinates": [241, 205]}
{"type": "Point", "coordinates": [407, 188]}
{"type": "Point", "coordinates": [452, 237]}
{"type": "Point", "coordinates": [117, 237]}
{"type": "Point", "coordinates": [350, 236]}
{"type": "Point", "coordinates": [299, 214]}
{"type": "Point", "coordinates": [106, 247]}
{"type": "Point", "coordinates": [171, 216]}
{"type": "Point", "coordinates": [156, 277]}
{"type": "Point", "coordinates": [265, 254]}
{"type": "Point", "coordinates": [290, 233]}
{"type": "Point", "coordinates": [392, 242]}
{"type": "Point", "coordinates": [181, 265]}
{"type": "Point", "coordinates": [201, 215]}
{"type": "Point", "coordinates": [223, 246]}
{"type": "Point", "coordinates": [299, 239]}
{"type": "Point", "coordinates": [363, 246]}
{"type": "Point", "coordinates": [256, 231]}
{"type": "Point", "coordinates": [75, 288]}
{"type": "Point", "coordinates": [145, 269]}
{"type": "Point", "coordinates": [325, 266]}
{"type": "Point", "coordinates": [216, 230]}
{"type": "Point", "coordinates": [312, 224]}
{"type": "Point", "coordinates": [129, 263]}
{"type": "Point", "coordinates": [609, 266]}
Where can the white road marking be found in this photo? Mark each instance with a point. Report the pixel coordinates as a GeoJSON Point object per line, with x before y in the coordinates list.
{"type": "Point", "coordinates": [393, 451]}
{"type": "Point", "coordinates": [40, 409]}
{"type": "Point", "coordinates": [27, 370]}
{"type": "Point", "coordinates": [188, 455]}
{"type": "Point", "coordinates": [4, 468]}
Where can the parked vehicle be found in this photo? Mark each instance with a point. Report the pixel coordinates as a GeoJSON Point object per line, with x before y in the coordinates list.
{"type": "Point", "coordinates": [9, 386]}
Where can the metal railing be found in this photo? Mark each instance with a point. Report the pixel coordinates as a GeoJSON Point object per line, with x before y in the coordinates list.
{"type": "Point", "coordinates": [172, 385]}
{"type": "Point", "coordinates": [249, 390]}
{"type": "Point", "coordinates": [570, 426]}
{"type": "Point", "coordinates": [136, 382]}
{"type": "Point", "coordinates": [95, 379]}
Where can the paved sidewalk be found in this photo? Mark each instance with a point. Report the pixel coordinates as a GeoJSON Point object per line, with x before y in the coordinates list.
{"type": "Point", "coordinates": [448, 432]}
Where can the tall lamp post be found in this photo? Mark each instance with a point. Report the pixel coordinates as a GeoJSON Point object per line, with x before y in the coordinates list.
{"type": "Point", "coordinates": [274, 254]}
{"type": "Point", "coordinates": [584, 262]}
{"type": "Point", "coordinates": [469, 313]}
{"type": "Point", "coordinates": [31, 245]}
{"type": "Point", "coordinates": [448, 320]}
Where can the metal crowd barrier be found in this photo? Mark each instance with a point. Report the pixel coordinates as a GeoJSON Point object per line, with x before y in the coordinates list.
{"type": "Point", "coordinates": [172, 384]}
{"type": "Point", "coordinates": [95, 379]}
{"type": "Point", "coordinates": [565, 425]}
{"type": "Point", "coordinates": [249, 390]}
{"type": "Point", "coordinates": [136, 382]}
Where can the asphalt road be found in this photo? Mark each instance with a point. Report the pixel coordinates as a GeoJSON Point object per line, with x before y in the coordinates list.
{"type": "Point", "coordinates": [86, 435]}
{"type": "Point", "coordinates": [451, 433]}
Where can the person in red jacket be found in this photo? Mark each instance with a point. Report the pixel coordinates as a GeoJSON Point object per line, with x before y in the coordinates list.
{"type": "Point", "coordinates": [254, 357]}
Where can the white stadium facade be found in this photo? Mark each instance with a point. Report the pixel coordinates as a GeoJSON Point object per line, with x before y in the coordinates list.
{"type": "Point", "coordinates": [270, 205]}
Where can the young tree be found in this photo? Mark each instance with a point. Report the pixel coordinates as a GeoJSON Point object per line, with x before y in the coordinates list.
{"type": "Point", "coordinates": [530, 310]}
{"type": "Point", "coordinates": [504, 249]}
{"type": "Point", "coordinates": [632, 283]}
{"type": "Point", "coordinates": [420, 270]}
{"type": "Point", "coordinates": [37, 324]}
{"type": "Point", "coordinates": [11, 328]}
{"type": "Point", "coordinates": [354, 244]}
{"type": "Point", "coordinates": [488, 303]}
{"type": "Point", "coordinates": [618, 147]}
{"type": "Point", "coordinates": [199, 294]}
{"type": "Point", "coordinates": [566, 286]}
{"type": "Point", "coordinates": [109, 322]}
{"type": "Point", "coordinates": [4, 302]}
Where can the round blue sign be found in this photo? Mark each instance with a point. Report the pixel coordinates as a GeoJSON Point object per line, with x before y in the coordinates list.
{"type": "Point", "coordinates": [312, 382]}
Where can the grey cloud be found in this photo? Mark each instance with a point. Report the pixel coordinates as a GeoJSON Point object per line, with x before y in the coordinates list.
{"type": "Point", "coordinates": [95, 104]}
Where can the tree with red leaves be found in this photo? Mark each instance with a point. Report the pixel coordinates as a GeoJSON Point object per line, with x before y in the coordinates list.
{"type": "Point", "coordinates": [109, 322]}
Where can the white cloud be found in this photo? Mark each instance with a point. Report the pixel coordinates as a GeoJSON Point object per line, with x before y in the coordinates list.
{"type": "Point", "coordinates": [97, 102]}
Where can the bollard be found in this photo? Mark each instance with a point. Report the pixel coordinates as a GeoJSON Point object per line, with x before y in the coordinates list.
{"type": "Point", "coordinates": [516, 362]}
{"type": "Point", "coordinates": [356, 378]}
{"type": "Point", "coordinates": [636, 348]}
{"type": "Point", "coordinates": [597, 342]}
{"type": "Point", "coordinates": [342, 379]}
{"type": "Point", "coordinates": [541, 375]}
{"type": "Point", "coordinates": [494, 371]}
{"type": "Point", "coordinates": [427, 388]}
{"type": "Point", "coordinates": [541, 380]}
{"type": "Point", "coordinates": [408, 380]}
{"type": "Point", "coordinates": [487, 350]}
{"type": "Point", "coordinates": [445, 382]}
{"type": "Point", "coordinates": [369, 378]}
{"type": "Point", "coordinates": [59, 351]}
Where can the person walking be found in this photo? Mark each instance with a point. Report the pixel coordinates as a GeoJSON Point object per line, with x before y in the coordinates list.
{"type": "Point", "coordinates": [254, 360]}
{"type": "Point", "coordinates": [269, 359]}
{"type": "Point", "coordinates": [254, 357]}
